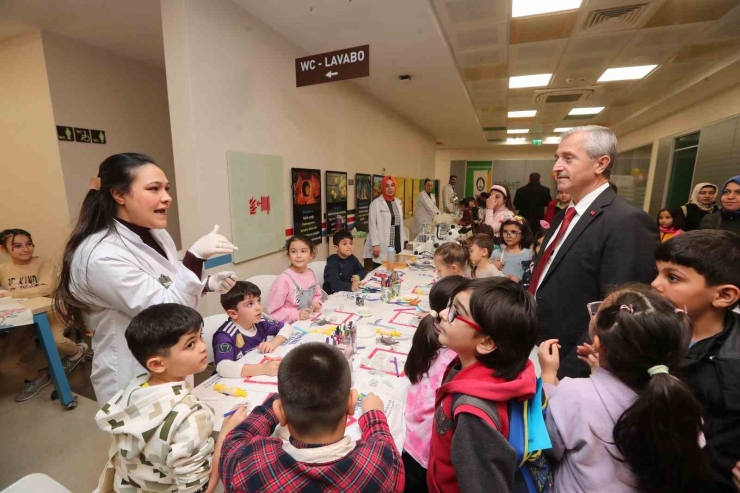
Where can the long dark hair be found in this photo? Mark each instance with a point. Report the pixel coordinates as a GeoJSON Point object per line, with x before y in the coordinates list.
{"type": "Point", "coordinates": [679, 220]}
{"type": "Point", "coordinates": [425, 345]}
{"type": "Point", "coordinates": [98, 213]}
{"type": "Point", "coordinates": [658, 435]}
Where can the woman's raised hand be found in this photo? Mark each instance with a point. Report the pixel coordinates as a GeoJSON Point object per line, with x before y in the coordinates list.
{"type": "Point", "coordinates": [212, 244]}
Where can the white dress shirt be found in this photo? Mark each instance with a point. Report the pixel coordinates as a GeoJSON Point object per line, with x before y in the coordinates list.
{"type": "Point", "coordinates": [581, 207]}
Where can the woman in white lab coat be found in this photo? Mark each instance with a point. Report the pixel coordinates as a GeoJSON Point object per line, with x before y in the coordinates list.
{"type": "Point", "coordinates": [426, 208]}
{"type": "Point", "coordinates": [385, 226]}
{"type": "Point", "coordinates": [120, 260]}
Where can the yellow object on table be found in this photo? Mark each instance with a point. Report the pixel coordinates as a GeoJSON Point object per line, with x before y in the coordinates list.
{"type": "Point", "coordinates": [388, 333]}
{"type": "Point", "coordinates": [327, 331]}
{"type": "Point", "coordinates": [229, 390]}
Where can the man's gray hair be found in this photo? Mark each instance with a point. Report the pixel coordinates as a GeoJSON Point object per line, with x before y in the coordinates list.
{"type": "Point", "coordinates": [600, 141]}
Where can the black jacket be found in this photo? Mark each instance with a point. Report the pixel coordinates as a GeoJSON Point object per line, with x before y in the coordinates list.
{"type": "Point", "coordinates": [712, 369]}
{"type": "Point", "coordinates": [611, 244]}
{"type": "Point", "coordinates": [339, 271]}
{"type": "Point", "coordinates": [530, 201]}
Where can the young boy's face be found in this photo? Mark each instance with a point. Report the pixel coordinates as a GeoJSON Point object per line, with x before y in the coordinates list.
{"type": "Point", "coordinates": [188, 356]}
{"type": "Point", "coordinates": [459, 336]}
{"type": "Point", "coordinates": [683, 286]}
{"type": "Point", "coordinates": [477, 253]}
{"type": "Point", "coordinates": [248, 312]}
{"type": "Point", "coordinates": [345, 248]}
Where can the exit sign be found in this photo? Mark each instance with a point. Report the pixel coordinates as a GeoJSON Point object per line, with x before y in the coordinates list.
{"type": "Point", "coordinates": [536, 142]}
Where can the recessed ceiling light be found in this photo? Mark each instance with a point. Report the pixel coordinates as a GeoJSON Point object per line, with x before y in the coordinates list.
{"type": "Point", "coordinates": [518, 131]}
{"type": "Point", "coordinates": [523, 8]}
{"type": "Point", "coordinates": [562, 129]}
{"type": "Point", "coordinates": [522, 114]}
{"type": "Point", "coordinates": [626, 73]}
{"type": "Point", "coordinates": [538, 80]}
{"type": "Point", "coordinates": [552, 140]}
{"type": "Point", "coordinates": [586, 111]}
{"type": "Point", "coordinates": [516, 140]}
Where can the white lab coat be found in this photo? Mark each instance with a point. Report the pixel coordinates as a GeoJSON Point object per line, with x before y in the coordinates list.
{"type": "Point", "coordinates": [426, 209]}
{"type": "Point", "coordinates": [117, 275]}
{"type": "Point", "coordinates": [379, 228]}
{"type": "Point", "coordinates": [447, 203]}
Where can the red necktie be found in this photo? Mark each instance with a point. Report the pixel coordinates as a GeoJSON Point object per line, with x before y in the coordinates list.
{"type": "Point", "coordinates": [539, 267]}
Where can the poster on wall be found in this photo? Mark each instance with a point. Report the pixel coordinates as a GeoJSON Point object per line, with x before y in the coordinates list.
{"type": "Point", "coordinates": [256, 205]}
{"type": "Point", "coordinates": [377, 180]}
{"type": "Point", "coordinates": [363, 197]}
{"type": "Point", "coordinates": [306, 189]}
{"type": "Point", "coordinates": [400, 193]}
{"type": "Point", "coordinates": [409, 198]}
{"type": "Point", "coordinates": [336, 202]}
{"type": "Point", "coordinates": [481, 181]}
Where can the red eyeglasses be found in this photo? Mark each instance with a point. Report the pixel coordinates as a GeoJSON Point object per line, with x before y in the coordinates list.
{"type": "Point", "coordinates": [452, 315]}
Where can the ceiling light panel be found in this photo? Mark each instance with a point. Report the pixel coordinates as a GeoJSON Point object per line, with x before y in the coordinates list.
{"type": "Point", "coordinates": [562, 129]}
{"type": "Point", "coordinates": [522, 114]}
{"type": "Point", "coordinates": [626, 73]}
{"type": "Point", "coordinates": [524, 8]}
{"type": "Point", "coordinates": [586, 111]}
{"type": "Point", "coordinates": [518, 131]}
{"type": "Point", "coordinates": [552, 140]}
{"type": "Point", "coordinates": [538, 80]}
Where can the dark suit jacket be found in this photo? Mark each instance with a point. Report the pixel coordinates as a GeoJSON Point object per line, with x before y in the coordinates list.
{"type": "Point", "coordinates": [611, 244]}
{"type": "Point", "coordinates": [530, 201]}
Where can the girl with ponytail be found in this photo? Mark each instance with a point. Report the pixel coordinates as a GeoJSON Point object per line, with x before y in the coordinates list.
{"type": "Point", "coordinates": [632, 426]}
{"type": "Point", "coordinates": [120, 260]}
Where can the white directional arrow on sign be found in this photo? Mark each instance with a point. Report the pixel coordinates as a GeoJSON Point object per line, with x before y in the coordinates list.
{"type": "Point", "coordinates": [331, 74]}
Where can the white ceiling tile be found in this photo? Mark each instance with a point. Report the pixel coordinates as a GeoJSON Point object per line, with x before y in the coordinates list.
{"type": "Point", "coordinates": [460, 11]}
{"type": "Point", "coordinates": [488, 56]}
{"type": "Point", "coordinates": [725, 29]}
{"type": "Point", "coordinates": [482, 37]}
{"type": "Point", "coordinates": [603, 45]}
{"type": "Point", "coordinates": [541, 57]}
{"type": "Point", "coordinates": [658, 44]}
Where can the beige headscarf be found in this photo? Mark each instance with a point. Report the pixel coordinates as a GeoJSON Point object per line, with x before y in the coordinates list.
{"type": "Point", "coordinates": [695, 197]}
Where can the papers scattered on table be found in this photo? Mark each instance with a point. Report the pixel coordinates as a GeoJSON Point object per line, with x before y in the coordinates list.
{"type": "Point", "coordinates": [386, 361]}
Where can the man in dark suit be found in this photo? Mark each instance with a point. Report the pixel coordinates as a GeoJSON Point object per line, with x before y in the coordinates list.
{"type": "Point", "coordinates": [605, 242]}
{"type": "Point", "coordinates": [531, 200]}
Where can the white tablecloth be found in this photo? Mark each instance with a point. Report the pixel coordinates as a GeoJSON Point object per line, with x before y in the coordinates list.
{"type": "Point", "coordinates": [13, 314]}
{"type": "Point", "coordinates": [397, 319]}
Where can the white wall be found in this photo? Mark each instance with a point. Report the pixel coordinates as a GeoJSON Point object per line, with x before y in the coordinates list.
{"type": "Point", "coordinates": [31, 166]}
{"type": "Point", "coordinates": [93, 88]}
{"type": "Point", "coordinates": [231, 85]}
{"type": "Point", "coordinates": [524, 152]}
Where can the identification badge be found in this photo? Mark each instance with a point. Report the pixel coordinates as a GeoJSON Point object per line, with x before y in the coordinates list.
{"type": "Point", "coordinates": [165, 281]}
{"type": "Point", "coordinates": [239, 341]}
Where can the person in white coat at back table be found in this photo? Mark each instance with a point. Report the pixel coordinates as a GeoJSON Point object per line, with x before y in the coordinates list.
{"type": "Point", "coordinates": [448, 195]}
{"type": "Point", "coordinates": [120, 260]}
{"type": "Point", "coordinates": [385, 223]}
{"type": "Point", "coordinates": [426, 208]}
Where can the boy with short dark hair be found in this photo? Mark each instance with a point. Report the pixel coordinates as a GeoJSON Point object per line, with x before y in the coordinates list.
{"type": "Point", "coordinates": [699, 271]}
{"type": "Point", "coordinates": [246, 328]}
{"type": "Point", "coordinates": [492, 325]}
{"type": "Point", "coordinates": [314, 402]}
{"type": "Point", "coordinates": [343, 271]}
{"type": "Point", "coordinates": [161, 432]}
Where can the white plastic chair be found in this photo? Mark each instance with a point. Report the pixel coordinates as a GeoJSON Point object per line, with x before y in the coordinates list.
{"type": "Point", "coordinates": [36, 482]}
{"type": "Point", "coordinates": [210, 326]}
{"type": "Point", "coordinates": [264, 282]}
{"type": "Point", "coordinates": [318, 269]}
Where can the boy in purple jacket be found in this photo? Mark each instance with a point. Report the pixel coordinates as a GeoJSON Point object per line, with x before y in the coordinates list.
{"type": "Point", "coordinates": [246, 328]}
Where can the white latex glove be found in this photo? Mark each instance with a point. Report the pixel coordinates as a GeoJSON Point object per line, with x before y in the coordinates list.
{"type": "Point", "coordinates": [212, 244]}
{"type": "Point", "coordinates": [223, 281]}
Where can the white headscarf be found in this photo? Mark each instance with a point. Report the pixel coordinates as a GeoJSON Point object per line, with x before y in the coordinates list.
{"type": "Point", "coordinates": [695, 197]}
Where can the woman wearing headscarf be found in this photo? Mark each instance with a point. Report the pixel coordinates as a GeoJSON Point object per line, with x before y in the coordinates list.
{"type": "Point", "coordinates": [701, 203]}
{"type": "Point", "coordinates": [385, 223]}
{"type": "Point", "coordinates": [728, 216]}
{"type": "Point", "coordinates": [426, 208]}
